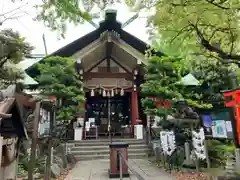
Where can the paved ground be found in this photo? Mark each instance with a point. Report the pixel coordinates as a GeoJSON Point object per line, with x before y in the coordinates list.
{"type": "Point", "coordinates": [98, 170]}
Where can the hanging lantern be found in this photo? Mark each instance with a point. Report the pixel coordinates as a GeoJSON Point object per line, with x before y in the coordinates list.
{"type": "Point", "coordinates": [134, 87]}
{"type": "Point", "coordinates": [135, 72]}
{"type": "Point", "coordinates": [104, 93]}
{"type": "Point", "coordinates": [122, 92]}
{"type": "Point", "coordinates": [109, 37]}
{"type": "Point", "coordinates": [79, 61]}
{"type": "Point", "coordinates": [108, 94]}
{"type": "Point", "coordinates": [116, 91]}
{"type": "Point", "coordinates": [139, 61]}
{"type": "Point", "coordinates": [100, 91]}
{"type": "Point", "coordinates": [92, 92]}
{"type": "Point", "coordinates": [112, 93]}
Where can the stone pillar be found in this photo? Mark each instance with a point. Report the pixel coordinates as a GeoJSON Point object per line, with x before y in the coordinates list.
{"type": "Point", "coordinates": [237, 154]}
{"type": "Point", "coordinates": [134, 107]}
{"type": "Point", "coordinates": [10, 170]}
{"type": "Point", "coordinates": [187, 151]}
{"type": "Point", "coordinates": [188, 162]}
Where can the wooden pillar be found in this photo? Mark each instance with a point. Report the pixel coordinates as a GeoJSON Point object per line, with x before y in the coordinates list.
{"type": "Point", "coordinates": [1, 145]}
{"type": "Point", "coordinates": [134, 107]}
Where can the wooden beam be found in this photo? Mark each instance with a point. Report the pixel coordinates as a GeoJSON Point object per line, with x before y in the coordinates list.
{"type": "Point", "coordinates": [90, 75]}
{"type": "Point", "coordinates": [95, 65]}
{"type": "Point", "coordinates": [109, 47]}
{"type": "Point", "coordinates": [130, 50]}
{"type": "Point", "coordinates": [119, 64]}
{"type": "Point", "coordinates": [3, 115]}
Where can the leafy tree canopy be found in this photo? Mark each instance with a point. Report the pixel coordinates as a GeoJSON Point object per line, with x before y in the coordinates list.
{"type": "Point", "coordinates": [58, 78]}
{"type": "Point", "coordinates": [13, 49]}
{"type": "Point", "coordinates": [163, 81]}
{"type": "Point", "coordinates": [200, 27]}
{"type": "Point", "coordinates": [205, 34]}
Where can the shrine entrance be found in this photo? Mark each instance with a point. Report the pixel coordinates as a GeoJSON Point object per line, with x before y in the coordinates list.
{"type": "Point", "coordinates": [110, 110]}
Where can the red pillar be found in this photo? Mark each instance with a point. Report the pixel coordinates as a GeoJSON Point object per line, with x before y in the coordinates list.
{"type": "Point", "coordinates": [134, 107]}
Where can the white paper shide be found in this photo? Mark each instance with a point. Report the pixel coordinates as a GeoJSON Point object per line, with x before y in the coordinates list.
{"type": "Point", "coordinates": [198, 144]}
{"type": "Point", "coordinates": [168, 142]}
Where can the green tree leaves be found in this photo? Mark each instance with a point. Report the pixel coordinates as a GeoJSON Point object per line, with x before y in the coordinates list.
{"type": "Point", "coordinates": [58, 78]}
{"type": "Point", "coordinates": [13, 49]}
{"type": "Point", "coordinates": [162, 76]}
{"type": "Point", "coordinates": [55, 14]}
{"type": "Point", "coordinates": [204, 27]}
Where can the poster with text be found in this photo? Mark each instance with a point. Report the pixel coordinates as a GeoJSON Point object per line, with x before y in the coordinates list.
{"type": "Point", "coordinates": [219, 129]}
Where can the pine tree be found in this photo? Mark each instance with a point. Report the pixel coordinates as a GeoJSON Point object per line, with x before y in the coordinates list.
{"type": "Point", "coordinates": [162, 76]}
{"type": "Point", "coordinates": [58, 77]}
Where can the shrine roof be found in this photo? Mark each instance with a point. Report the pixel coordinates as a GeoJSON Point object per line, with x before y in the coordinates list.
{"type": "Point", "coordinates": [109, 24]}
{"type": "Point", "coordinates": [6, 105]}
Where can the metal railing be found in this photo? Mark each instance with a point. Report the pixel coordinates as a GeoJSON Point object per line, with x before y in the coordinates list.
{"type": "Point", "coordinates": [123, 160]}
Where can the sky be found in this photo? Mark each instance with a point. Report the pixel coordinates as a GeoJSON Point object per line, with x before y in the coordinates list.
{"type": "Point", "coordinates": [33, 30]}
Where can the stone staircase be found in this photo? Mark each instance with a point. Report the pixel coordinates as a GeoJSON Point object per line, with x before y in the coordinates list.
{"type": "Point", "coordinates": [99, 149]}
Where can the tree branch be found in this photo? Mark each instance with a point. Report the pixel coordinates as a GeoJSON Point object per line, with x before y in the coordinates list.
{"type": "Point", "coordinates": [216, 4]}
{"type": "Point", "coordinates": [185, 28]}
{"type": "Point", "coordinates": [206, 44]}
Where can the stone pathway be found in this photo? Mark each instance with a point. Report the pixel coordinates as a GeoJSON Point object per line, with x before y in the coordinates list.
{"type": "Point", "coordinates": [98, 170]}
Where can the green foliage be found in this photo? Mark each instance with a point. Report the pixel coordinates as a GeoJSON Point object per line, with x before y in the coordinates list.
{"type": "Point", "coordinates": [205, 35]}
{"type": "Point", "coordinates": [208, 28]}
{"type": "Point", "coordinates": [24, 162]}
{"type": "Point", "coordinates": [163, 81]}
{"type": "Point", "coordinates": [13, 49]}
{"type": "Point", "coordinates": [55, 14]}
{"type": "Point", "coordinates": [161, 77]}
{"type": "Point", "coordinates": [215, 78]}
{"type": "Point", "coordinates": [218, 151]}
{"type": "Point", "coordinates": [59, 78]}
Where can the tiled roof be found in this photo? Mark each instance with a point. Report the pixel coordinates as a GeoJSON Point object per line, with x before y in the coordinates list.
{"type": "Point", "coordinates": [5, 105]}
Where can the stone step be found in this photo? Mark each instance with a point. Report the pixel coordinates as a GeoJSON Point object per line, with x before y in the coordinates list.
{"type": "Point", "coordinates": [104, 147]}
{"type": "Point", "coordinates": [102, 143]}
{"type": "Point", "coordinates": [106, 140]}
{"type": "Point", "coordinates": [106, 156]}
{"type": "Point", "coordinates": [103, 152]}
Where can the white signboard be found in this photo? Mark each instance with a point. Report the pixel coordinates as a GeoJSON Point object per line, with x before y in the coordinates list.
{"type": "Point", "coordinates": [44, 123]}
{"type": "Point", "coordinates": [198, 144]}
{"type": "Point", "coordinates": [229, 126]}
{"type": "Point", "coordinates": [168, 143]}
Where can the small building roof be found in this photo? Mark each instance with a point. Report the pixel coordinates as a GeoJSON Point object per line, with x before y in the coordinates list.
{"type": "Point", "coordinates": [25, 64]}
{"type": "Point", "coordinates": [6, 105]}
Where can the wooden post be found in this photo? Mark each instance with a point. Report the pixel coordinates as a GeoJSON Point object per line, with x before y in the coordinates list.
{"type": "Point", "coordinates": [34, 141]}
{"type": "Point", "coordinates": [206, 153]}
{"type": "Point", "coordinates": [50, 144]}
{"type": "Point", "coordinates": [1, 144]}
{"type": "Point", "coordinates": [197, 165]}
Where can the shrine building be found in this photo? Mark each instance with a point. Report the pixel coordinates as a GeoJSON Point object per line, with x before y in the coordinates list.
{"type": "Point", "coordinates": [111, 63]}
